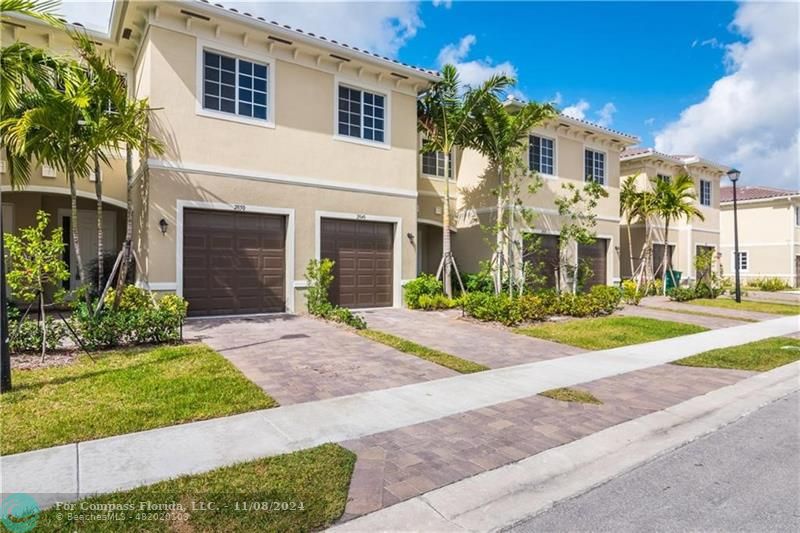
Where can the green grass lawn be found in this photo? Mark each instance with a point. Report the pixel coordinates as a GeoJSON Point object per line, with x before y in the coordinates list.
{"type": "Point", "coordinates": [312, 485]}
{"type": "Point", "coordinates": [757, 356]}
{"type": "Point", "coordinates": [748, 305]}
{"type": "Point", "coordinates": [566, 394]}
{"type": "Point", "coordinates": [124, 391]}
{"type": "Point", "coordinates": [608, 332]}
{"type": "Point", "coordinates": [687, 311]}
{"type": "Point", "coordinates": [434, 356]}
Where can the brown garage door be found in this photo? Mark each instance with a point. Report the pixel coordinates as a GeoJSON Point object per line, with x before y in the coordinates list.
{"type": "Point", "coordinates": [364, 261]}
{"type": "Point", "coordinates": [541, 255]}
{"type": "Point", "coordinates": [233, 263]}
{"type": "Point", "coordinates": [595, 255]}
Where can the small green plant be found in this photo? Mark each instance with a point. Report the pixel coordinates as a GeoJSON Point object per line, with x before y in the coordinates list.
{"type": "Point", "coordinates": [425, 285]}
{"type": "Point", "coordinates": [37, 265]}
{"type": "Point", "coordinates": [26, 336]}
{"type": "Point", "coordinates": [319, 275]}
{"type": "Point", "coordinates": [435, 302]}
{"type": "Point", "coordinates": [768, 284]}
{"type": "Point", "coordinates": [604, 299]}
{"type": "Point", "coordinates": [481, 281]}
{"type": "Point", "coordinates": [630, 294]}
{"type": "Point", "coordinates": [654, 287]}
{"type": "Point", "coordinates": [683, 294]}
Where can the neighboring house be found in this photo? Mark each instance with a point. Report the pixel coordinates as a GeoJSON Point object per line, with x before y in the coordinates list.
{"type": "Point", "coordinates": [686, 238]}
{"type": "Point", "coordinates": [282, 146]}
{"type": "Point", "coordinates": [769, 233]}
{"type": "Point", "coordinates": [561, 150]}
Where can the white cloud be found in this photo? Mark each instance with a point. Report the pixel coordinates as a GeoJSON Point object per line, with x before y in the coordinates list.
{"type": "Point", "coordinates": [556, 99]}
{"type": "Point", "coordinates": [380, 27]}
{"type": "Point", "coordinates": [713, 43]}
{"type": "Point", "coordinates": [606, 114]}
{"type": "Point", "coordinates": [447, 4]}
{"type": "Point", "coordinates": [649, 121]}
{"type": "Point", "coordinates": [751, 116]}
{"type": "Point", "coordinates": [475, 71]}
{"type": "Point", "coordinates": [577, 110]}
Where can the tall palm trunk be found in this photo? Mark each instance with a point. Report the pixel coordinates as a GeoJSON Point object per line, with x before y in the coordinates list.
{"type": "Point", "coordinates": [98, 189]}
{"type": "Point", "coordinates": [666, 255]}
{"type": "Point", "coordinates": [76, 245]}
{"type": "Point", "coordinates": [630, 245]}
{"type": "Point", "coordinates": [126, 250]}
{"type": "Point", "coordinates": [446, 251]}
{"type": "Point", "coordinates": [498, 278]}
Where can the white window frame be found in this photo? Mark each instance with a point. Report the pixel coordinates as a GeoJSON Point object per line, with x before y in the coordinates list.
{"type": "Point", "coordinates": [436, 176]}
{"type": "Point", "coordinates": [387, 112]}
{"type": "Point", "coordinates": [237, 53]}
{"type": "Point", "coordinates": [664, 177]}
{"type": "Point", "coordinates": [710, 190]}
{"type": "Point", "coordinates": [742, 253]}
{"type": "Point", "coordinates": [605, 164]}
{"type": "Point", "coordinates": [797, 215]}
{"type": "Point", "coordinates": [555, 154]}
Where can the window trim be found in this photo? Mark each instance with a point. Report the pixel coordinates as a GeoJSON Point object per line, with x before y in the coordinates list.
{"type": "Point", "coordinates": [744, 253]}
{"type": "Point", "coordinates": [238, 53]}
{"type": "Point", "coordinates": [605, 163]}
{"type": "Point", "coordinates": [387, 112]}
{"type": "Point", "coordinates": [797, 216]}
{"type": "Point", "coordinates": [436, 176]}
{"type": "Point", "coordinates": [662, 177]}
{"type": "Point", "coordinates": [555, 153]}
{"type": "Point", "coordinates": [710, 193]}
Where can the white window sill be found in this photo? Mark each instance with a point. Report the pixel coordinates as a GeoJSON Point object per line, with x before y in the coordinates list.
{"type": "Point", "coordinates": [235, 118]}
{"type": "Point", "coordinates": [362, 142]}
{"type": "Point", "coordinates": [435, 178]}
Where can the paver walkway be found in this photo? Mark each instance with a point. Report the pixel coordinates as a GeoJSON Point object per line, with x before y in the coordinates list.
{"type": "Point", "coordinates": [403, 463]}
{"type": "Point", "coordinates": [710, 322]}
{"type": "Point", "coordinates": [489, 345]}
{"type": "Point", "coordinates": [300, 359]}
{"type": "Point", "coordinates": [662, 302]}
{"type": "Point", "coordinates": [126, 461]}
{"type": "Point", "coordinates": [783, 297]}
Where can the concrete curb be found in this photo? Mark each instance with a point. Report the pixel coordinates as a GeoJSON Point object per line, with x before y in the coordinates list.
{"type": "Point", "coordinates": [500, 498]}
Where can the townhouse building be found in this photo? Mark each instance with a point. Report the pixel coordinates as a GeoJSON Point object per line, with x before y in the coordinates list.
{"type": "Point", "coordinates": [769, 233]}
{"type": "Point", "coordinates": [686, 238]}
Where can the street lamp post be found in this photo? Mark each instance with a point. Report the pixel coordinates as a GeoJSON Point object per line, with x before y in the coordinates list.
{"type": "Point", "coordinates": [733, 175]}
{"type": "Point", "coordinates": [5, 355]}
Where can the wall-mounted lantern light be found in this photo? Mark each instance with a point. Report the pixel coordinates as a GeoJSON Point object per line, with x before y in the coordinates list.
{"type": "Point", "coordinates": [163, 224]}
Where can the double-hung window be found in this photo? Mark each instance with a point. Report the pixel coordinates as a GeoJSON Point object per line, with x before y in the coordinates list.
{"type": "Point", "coordinates": [797, 215]}
{"type": "Point", "coordinates": [361, 114]}
{"type": "Point", "coordinates": [594, 166]}
{"type": "Point", "coordinates": [705, 192]}
{"type": "Point", "coordinates": [541, 155]}
{"type": "Point", "coordinates": [664, 178]}
{"type": "Point", "coordinates": [433, 164]}
{"type": "Point", "coordinates": [744, 261]}
{"type": "Point", "coordinates": [235, 86]}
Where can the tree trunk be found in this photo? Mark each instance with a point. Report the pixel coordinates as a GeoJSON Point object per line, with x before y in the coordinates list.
{"type": "Point", "coordinates": [630, 246]}
{"type": "Point", "coordinates": [76, 245]}
{"type": "Point", "coordinates": [98, 189]}
{"type": "Point", "coordinates": [666, 255]}
{"type": "Point", "coordinates": [43, 323]}
{"type": "Point", "coordinates": [126, 252]}
{"type": "Point", "coordinates": [498, 284]}
{"type": "Point", "coordinates": [446, 251]}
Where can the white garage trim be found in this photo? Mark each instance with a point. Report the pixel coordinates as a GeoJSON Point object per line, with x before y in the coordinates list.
{"type": "Point", "coordinates": [221, 206]}
{"type": "Point", "coordinates": [397, 253]}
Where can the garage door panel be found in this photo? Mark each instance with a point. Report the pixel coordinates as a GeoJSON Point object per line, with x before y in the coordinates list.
{"type": "Point", "coordinates": [363, 251]}
{"type": "Point", "coordinates": [595, 255]}
{"type": "Point", "coordinates": [233, 262]}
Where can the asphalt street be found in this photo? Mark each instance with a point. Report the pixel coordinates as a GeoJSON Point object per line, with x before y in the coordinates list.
{"type": "Point", "coordinates": [743, 477]}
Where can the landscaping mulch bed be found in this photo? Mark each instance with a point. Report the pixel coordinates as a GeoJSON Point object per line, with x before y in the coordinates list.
{"type": "Point", "coordinates": [32, 361]}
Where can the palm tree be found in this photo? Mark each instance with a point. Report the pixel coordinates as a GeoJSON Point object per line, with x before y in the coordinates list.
{"type": "Point", "coordinates": [446, 119]}
{"type": "Point", "coordinates": [501, 136]}
{"type": "Point", "coordinates": [44, 10]}
{"type": "Point", "coordinates": [674, 199]}
{"type": "Point", "coordinates": [630, 203]}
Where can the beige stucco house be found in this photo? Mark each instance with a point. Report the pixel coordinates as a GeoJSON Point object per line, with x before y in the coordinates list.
{"type": "Point", "coordinates": [769, 233]}
{"type": "Point", "coordinates": [562, 150]}
{"type": "Point", "coordinates": [282, 146]}
{"type": "Point", "coordinates": [686, 238]}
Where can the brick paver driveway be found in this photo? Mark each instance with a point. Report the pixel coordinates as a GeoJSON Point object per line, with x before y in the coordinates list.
{"type": "Point", "coordinates": [710, 322]}
{"type": "Point", "coordinates": [299, 359]}
{"type": "Point", "coordinates": [397, 465]}
{"type": "Point", "coordinates": [492, 346]}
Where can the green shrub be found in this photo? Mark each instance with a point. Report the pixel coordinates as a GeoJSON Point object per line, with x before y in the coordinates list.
{"type": "Point", "coordinates": [630, 295]}
{"type": "Point", "coordinates": [682, 294]}
{"type": "Point", "coordinates": [535, 307]}
{"type": "Point", "coordinates": [346, 316]}
{"type": "Point", "coordinates": [604, 299]}
{"type": "Point", "coordinates": [492, 308]}
{"type": "Point", "coordinates": [319, 275]}
{"type": "Point", "coordinates": [423, 285]}
{"type": "Point", "coordinates": [434, 302]}
{"type": "Point", "coordinates": [768, 284]}
{"type": "Point", "coordinates": [139, 319]}
{"type": "Point", "coordinates": [481, 281]}
{"type": "Point", "coordinates": [654, 287]}
{"type": "Point", "coordinates": [26, 336]}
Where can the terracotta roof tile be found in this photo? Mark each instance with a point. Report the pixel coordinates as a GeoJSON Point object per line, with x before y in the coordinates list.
{"type": "Point", "coordinates": [753, 192]}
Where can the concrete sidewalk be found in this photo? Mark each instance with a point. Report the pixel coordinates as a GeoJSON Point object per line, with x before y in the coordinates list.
{"type": "Point", "coordinates": [126, 461]}
{"type": "Point", "coordinates": [662, 302]}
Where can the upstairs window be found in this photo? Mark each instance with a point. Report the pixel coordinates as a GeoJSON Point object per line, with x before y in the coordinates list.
{"type": "Point", "coordinates": [235, 86]}
{"type": "Point", "coordinates": [594, 166]}
{"type": "Point", "coordinates": [361, 114]}
{"type": "Point", "coordinates": [705, 192]}
{"type": "Point", "coordinates": [541, 155]}
{"type": "Point", "coordinates": [664, 178]}
{"type": "Point", "coordinates": [797, 215]}
{"type": "Point", "coordinates": [433, 164]}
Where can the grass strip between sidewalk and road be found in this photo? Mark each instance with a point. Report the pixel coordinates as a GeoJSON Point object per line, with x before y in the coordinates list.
{"type": "Point", "coordinates": [702, 313]}
{"type": "Point", "coordinates": [122, 392]}
{"type": "Point", "coordinates": [434, 356]}
{"type": "Point", "coordinates": [566, 394]}
{"type": "Point", "coordinates": [748, 305]}
{"type": "Point", "coordinates": [608, 332]}
{"type": "Point", "coordinates": [757, 356]}
{"type": "Point", "coordinates": [300, 491]}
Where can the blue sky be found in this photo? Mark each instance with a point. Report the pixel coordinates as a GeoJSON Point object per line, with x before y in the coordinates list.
{"type": "Point", "coordinates": [719, 79]}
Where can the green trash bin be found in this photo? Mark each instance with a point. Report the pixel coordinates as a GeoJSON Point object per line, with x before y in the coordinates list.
{"type": "Point", "coordinates": [673, 279]}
